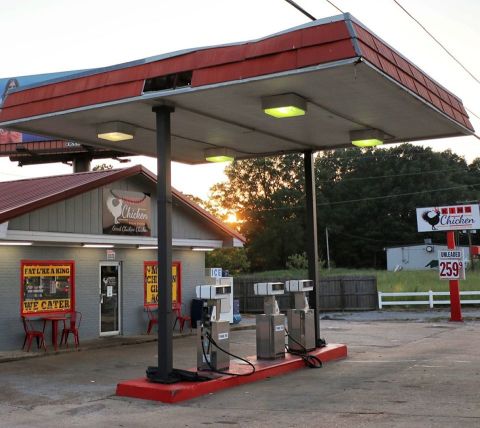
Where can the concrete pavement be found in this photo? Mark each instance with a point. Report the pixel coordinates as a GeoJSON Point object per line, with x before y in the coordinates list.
{"type": "Point", "coordinates": [398, 374]}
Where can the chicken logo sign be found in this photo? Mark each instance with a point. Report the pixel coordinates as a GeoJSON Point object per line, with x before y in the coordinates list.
{"type": "Point", "coordinates": [126, 213]}
{"type": "Point", "coordinates": [457, 217]}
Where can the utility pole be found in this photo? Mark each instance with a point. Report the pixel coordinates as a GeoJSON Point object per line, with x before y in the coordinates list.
{"type": "Point", "coordinates": [469, 234]}
{"type": "Point", "coordinates": [328, 248]}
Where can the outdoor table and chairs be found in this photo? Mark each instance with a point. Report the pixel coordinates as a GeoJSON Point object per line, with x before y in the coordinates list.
{"type": "Point", "coordinates": [152, 314]}
{"type": "Point", "coordinates": [54, 319]}
{"type": "Point", "coordinates": [31, 333]}
{"type": "Point", "coordinates": [71, 324]}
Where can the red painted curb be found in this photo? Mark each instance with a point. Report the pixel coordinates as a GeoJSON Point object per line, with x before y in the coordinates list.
{"type": "Point", "coordinates": [174, 393]}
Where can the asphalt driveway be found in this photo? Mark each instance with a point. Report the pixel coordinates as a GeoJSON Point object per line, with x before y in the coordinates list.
{"type": "Point", "coordinates": [398, 374]}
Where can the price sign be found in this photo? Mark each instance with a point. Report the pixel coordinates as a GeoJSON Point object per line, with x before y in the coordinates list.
{"type": "Point", "coordinates": [451, 264]}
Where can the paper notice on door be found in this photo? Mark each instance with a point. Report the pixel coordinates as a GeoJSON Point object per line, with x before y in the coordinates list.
{"type": "Point", "coordinates": [109, 291]}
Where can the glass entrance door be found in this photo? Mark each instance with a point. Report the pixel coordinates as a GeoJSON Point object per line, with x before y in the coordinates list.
{"type": "Point", "coordinates": [110, 298]}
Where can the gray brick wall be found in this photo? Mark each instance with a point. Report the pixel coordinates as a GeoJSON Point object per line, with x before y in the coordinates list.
{"type": "Point", "coordinates": [87, 287]}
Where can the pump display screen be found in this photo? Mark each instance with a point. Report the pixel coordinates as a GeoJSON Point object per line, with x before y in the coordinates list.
{"type": "Point", "coordinates": [277, 286]}
{"type": "Point", "coordinates": [223, 290]}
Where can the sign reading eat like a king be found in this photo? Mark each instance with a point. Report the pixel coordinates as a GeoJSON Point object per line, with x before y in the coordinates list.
{"type": "Point", "coordinates": [442, 219]}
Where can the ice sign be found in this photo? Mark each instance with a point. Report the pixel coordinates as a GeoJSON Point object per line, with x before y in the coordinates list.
{"type": "Point", "coordinates": [213, 272]}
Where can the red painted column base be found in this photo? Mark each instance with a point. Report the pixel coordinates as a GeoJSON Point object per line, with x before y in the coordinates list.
{"type": "Point", "coordinates": [174, 393]}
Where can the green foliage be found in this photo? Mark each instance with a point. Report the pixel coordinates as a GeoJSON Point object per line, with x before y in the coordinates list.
{"type": "Point", "coordinates": [365, 213]}
{"type": "Point", "coordinates": [365, 197]}
{"type": "Point", "coordinates": [387, 281]}
{"type": "Point", "coordinates": [232, 259]}
{"type": "Point", "coordinates": [102, 167]}
{"type": "Point", "coordinates": [267, 196]}
{"type": "Point", "coordinates": [297, 261]}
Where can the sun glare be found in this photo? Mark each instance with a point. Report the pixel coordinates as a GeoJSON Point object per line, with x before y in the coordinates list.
{"type": "Point", "coordinates": [232, 218]}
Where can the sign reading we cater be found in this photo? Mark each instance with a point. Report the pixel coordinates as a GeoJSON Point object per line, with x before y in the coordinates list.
{"type": "Point", "coordinates": [126, 213]}
{"type": "Point", "coordinates": [47, 286]}
{"type": "Point", "coordinates": [150, 274]}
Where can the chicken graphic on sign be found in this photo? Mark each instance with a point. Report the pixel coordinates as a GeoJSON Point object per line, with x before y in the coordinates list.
{"type": "Point", "coordinates": [432, 217]}
{"type": "Point", "coordinates": [114, 205]}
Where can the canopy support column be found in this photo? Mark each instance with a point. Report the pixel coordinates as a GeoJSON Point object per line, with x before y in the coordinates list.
{"type": "Point", "coordinates": [163, 373]}
{"type": "Point", "coordinates": [312, 239]}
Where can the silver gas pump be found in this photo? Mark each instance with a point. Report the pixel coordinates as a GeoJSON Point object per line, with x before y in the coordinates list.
{"type": "Point", "coordinates": [212, 333]}
{"type": "Point", "coordinates": [301, 319]}
{"type": "Point", "coordinates": [270, 324]}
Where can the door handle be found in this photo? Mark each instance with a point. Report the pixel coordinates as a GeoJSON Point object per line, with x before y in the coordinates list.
{"type": "Point", "coordinates": [101, 298]}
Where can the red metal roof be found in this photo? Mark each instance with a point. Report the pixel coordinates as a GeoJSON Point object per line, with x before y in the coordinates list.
{"type": "Point", "coordinates": [23, 196]}
{"type": "Point", "coordinates": [410, 76]}
{"type": "Point", "coordinates": [308, 45]}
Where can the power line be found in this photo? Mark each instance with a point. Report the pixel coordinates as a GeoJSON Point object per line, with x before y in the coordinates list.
{"type": "Point", "coordinates": [373, 198]}
{"type": "Point", "coordinates": [436, 171]}
{"type": "Point", "coordinates": [419, 23]}
{"type": "Point", "coordinates": [437, 41]}
{"type": "Point", "coordinates": [301, 9]}
{"type": "Point", "coordinates": [336, 7]}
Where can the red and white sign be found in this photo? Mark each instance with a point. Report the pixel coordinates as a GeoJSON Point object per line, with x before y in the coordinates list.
{"type": "Point", "coordinates": [451, 264]}
{"type": "Point", "coordinates": [457, 217]}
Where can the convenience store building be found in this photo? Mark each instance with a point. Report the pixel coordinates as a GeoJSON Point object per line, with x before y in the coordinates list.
{"type": "Point", "coordinates": [87, 242]}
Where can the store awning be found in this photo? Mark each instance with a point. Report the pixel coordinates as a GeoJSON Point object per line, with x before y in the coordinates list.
{"type": "Point", "coordinates": [349, 79]}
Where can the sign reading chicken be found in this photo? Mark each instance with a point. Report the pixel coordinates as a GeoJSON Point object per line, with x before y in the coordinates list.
{"type": "Point", "coordinates": [456, 217]}
{"type": "Point", "coordinates": [126, 213]}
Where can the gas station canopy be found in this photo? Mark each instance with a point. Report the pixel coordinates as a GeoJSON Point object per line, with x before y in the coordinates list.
{"type": "Point", "coordinates": [346, 78]}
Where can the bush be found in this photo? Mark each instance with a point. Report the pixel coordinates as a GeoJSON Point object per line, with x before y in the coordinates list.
{"type": "Point", "coordinates": [232, 259]}
{"type": "Point", "coordinates": [297, 261]}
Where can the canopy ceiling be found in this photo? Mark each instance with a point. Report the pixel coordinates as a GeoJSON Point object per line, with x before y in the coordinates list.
{"type": "Point", "coordinates": [350, 79]}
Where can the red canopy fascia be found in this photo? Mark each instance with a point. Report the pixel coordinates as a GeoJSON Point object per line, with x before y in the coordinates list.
{"type": "Point", "coordinates": [338, 38]}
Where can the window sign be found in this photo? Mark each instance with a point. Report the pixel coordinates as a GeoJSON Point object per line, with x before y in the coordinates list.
{"type": "Point", "coordinates": [47, 286]}
{"type": "Point", "coordinates": [151, 283]}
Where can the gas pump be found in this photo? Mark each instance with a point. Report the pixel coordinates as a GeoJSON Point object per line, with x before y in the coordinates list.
{"type": "Point", "coordinates": [270, 324]}
{"type": "Point", "coordinates": [213, 333]}
{"type": "Point", "coordinates": [301, 319]}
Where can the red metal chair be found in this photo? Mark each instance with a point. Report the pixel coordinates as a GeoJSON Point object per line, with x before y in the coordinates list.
{"type": "Point", "coordinates": [31, 333]}
{"type": "Point", "coordinates": [72, 328]}
{"type": "Point", "coordinates": [152, 319]}
{"type": "Point", "coordinates": [177, 308]}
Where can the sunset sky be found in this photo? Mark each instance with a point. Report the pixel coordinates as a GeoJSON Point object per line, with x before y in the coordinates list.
{"type": "Point", "coordinates": [53, 35]}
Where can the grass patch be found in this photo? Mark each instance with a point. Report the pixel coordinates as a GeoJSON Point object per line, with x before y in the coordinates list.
{"type": "Point", "coordinates": [387, 282]}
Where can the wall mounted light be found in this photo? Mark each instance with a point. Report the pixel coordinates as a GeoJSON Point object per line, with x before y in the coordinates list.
{"type": "Point", "coordinates": [97, 245]}
{"type": "Point", "coordinates": [202, 249]}
{"type": "Point", "coordinates": [115, 131]}
{"type": "Point", "coordinates": [284, 105]}
{"type": "Point", "coordinates": [367, 137]}
{"type": "Point", "coordinates": [10, 243]}
{"type": "Point", "coordinates": [220, 154]}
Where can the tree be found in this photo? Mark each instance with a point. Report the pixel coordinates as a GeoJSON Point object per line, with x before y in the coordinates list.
{"type": "Point", "coordinates": [232, 259]}
{"type": "Point", "coordinates": [373, 195]}
{"type": "Point", "coordinates": [268, 198]}
{"type": "Point", "coordinates": [102, 167]}
{"type": "Point", "coordinates": [366, 197]}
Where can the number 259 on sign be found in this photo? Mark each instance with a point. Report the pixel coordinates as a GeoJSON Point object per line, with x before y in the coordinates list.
{"type": "Point", "coordinates": [451, 269]}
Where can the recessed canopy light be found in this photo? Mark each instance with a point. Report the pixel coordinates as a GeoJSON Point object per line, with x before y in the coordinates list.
{"type": "Point", "coordinates": [97, 245]}
{"type": "Point", "coordinates": [115, 131]}
{"type": "Point", "coordinates": [284, 105]}
{"type": "Point", "coordinates": [147, 247]}
{"type": "Point", "coordinates": [367, 137]}
{"type": "Point", "coordinates": [15, 243]}
{"type": "Point", "coordinates": [220, 154]}
{"type": "Point", "coordinates": [202, 249]}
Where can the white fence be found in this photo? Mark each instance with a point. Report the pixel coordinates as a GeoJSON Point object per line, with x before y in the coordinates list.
{"type": "Point", "coordinates": [430, 294]}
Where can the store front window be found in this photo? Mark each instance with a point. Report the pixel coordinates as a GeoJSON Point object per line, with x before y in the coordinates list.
{"type": "Point", "coordinates": [47, 286]}
{"type": "Point", "coordinates": [150, 282]}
